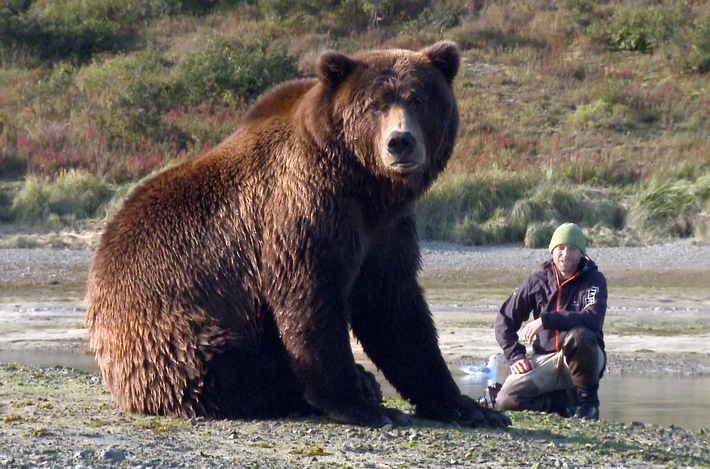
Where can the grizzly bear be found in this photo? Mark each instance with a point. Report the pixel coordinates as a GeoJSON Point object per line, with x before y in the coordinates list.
{"type": "Point", "coordinates": [227, 286]}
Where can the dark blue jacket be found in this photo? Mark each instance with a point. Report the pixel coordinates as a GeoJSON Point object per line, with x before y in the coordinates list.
{"type": "Point", "coordinates": [579, 301]}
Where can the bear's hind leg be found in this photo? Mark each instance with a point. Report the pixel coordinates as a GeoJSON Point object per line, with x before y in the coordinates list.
{"type": "Point", "coordinates": [245, 384]}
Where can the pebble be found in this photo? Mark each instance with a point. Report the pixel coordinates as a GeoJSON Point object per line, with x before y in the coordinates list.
{"type": "Point", "coordinates": [114, 455]}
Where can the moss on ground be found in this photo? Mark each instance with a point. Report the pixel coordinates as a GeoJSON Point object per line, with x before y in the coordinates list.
{"type": "Point", "coordinates": [61, 417]}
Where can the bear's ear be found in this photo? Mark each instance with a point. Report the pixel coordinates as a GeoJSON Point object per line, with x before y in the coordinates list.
{"type": "Point", "coordinates": [445, 56]}
{"type": "Point", "coordinates": [334, 67]}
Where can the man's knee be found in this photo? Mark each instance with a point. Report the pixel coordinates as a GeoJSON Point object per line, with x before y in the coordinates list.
{"type": "Point", "coordinates": [581, 344]}
{"type": "Point", "coordinates": [504, 401]}
{"type": "Point", "coordinates": [583, 355]}
{"type": "Point", "coordinates": [582, 339]}
{"type": "Point", "coordinates": [516, 394]}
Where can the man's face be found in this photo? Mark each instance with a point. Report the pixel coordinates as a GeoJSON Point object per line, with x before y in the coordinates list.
{"type": "Point", "coordinates": [566, 257]}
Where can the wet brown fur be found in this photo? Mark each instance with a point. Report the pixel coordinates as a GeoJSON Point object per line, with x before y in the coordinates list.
{"type": "Point", "coordinates": [225, 287]}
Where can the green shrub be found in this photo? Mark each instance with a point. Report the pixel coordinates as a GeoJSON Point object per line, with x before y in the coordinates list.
{"type": "Point", "coordinates": [702, 228]}
{"type": "Point", "coordinates": [512, 208]}
{"type": "Point", "coordinates": [420, 15]}
{"type": "Point", "coordinates": [527, 211]}
{"type": "Point", "coordinates": [205, 6]}
{"type": "Point", "coordinates": [77, 30]}
{"type": "Point", "coordinates": [5, 203]}
{"type": "Point", "coordinates": [54, 95]}
{"type": "Point", "coordinates": [128, 95]}
{"type": "Point", "coordinates": [228, 71]}
{"type": "Point", "coordinates": [641, 28]}
{"type": "Point", "coordinates": [691, 46]}
{"type": "Point", "coordinates": [538, 234]}
{"type": "Point", "coordinates": [499, 229]}
{"type": "Point", "coordinates": [345, 18]}
{"type": "Point", "coordinates": [609, 110]}
{"type": "Point", "coordinates": [579, 11]}
{"type": "Point", "coordinates": [676, 29]}
{"type": "Point", "coordinates": [58, 30]}
{"type": "Point", "coordinates": [12, 165]}
{"type": "Point", "coordinates": [279, 10]}
{"type": "Point", "coordinates": [205, 124]}
{"type": "Point", "coordinates": [584, 205]}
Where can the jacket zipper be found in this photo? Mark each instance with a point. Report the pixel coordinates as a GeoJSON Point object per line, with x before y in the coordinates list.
{"type": "Point", "coordinates": [559, 303]}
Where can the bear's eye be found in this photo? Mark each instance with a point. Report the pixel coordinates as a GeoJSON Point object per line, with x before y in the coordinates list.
{"type": "Point", "coordinates": [414, 101]}
{"type": "Point", "coordinates": [376, 107]}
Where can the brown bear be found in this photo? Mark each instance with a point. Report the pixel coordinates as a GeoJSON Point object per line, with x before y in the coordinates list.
{"type": "Point", "coordinates": [227, 286]}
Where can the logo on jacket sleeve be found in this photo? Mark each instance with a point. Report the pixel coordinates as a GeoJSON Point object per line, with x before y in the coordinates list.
{"type": "Point", "coordinates": [591, 297]}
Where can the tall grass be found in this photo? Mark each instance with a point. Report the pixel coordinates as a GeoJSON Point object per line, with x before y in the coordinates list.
{"type": "Point", "coordinates": [500, 207]}
{"type": "Point", "coordinates": [458, 204]}
{"type": "Point", "coordinates": [666, 208]}
{"type": "Point", "coordinates": [71, 198]}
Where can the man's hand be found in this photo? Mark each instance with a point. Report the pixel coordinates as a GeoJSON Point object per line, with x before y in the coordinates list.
{"type": "Point", "coordinates": [522, 366]}
{"type": "Point", "coordinates": [531, 329]}
{"type": "Point", "coordinates": [529, 333]}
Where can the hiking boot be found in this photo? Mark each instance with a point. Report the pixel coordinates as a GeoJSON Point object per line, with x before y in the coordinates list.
{"type": "Point", "coordinates": [587, 404]}
{"type": "Point", "coordinates": [489, 396]}
{"type": "Point", "coordinates": [566, 412]}
{"type": "Point", "coordinates": [587, 412]}
{"type": "Point", "coordinates": [567, 406]}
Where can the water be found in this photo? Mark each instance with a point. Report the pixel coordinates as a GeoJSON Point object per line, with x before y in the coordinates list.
{"type": "Point", "coordinates": [657, 399]}
{"type": "Point", "coordinates": [76, 361]}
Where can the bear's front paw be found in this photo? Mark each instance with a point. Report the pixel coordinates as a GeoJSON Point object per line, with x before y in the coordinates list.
{"type": "Point", "coordinates": [398, 418]}
{"type": "Point", "coordinates": [483, 416]}
{"type": "Point", "coordinates": [467, 413]}
{"type": "Point", "coordinates": [373, 417]}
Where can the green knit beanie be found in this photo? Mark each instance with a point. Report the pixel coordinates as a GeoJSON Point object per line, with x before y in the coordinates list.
{"type": "Point", "coordinates": [569, 233]}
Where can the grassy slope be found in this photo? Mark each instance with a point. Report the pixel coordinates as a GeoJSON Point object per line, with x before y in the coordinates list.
{"type": "Point", "coordinates": [576, 110]}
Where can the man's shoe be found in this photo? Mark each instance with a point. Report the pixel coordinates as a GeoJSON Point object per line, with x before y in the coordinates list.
{"type": "Point", "coordinates": [587, 403]}
{"type": "Point", "coordinates": [567, 412]}
{"type": "Point", "coordinates": [489, 396]}
{"type": "Point", "coordinates": [587, 412]}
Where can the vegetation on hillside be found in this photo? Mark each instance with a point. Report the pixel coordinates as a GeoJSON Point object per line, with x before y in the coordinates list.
{"type": "Point", "coordinates": [593, 112]}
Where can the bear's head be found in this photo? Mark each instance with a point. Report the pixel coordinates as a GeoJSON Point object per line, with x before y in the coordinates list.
{"type": "Point", "coordinates": [394, 110]}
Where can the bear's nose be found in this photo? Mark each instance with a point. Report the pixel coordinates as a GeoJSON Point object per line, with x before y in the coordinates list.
{"type": "Point", "coordinates": [401, 144]}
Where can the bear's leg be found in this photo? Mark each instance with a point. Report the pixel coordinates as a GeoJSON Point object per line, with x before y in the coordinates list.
{"type": "Point", "coordinates": [370, 387]}
{"type": "Point", "coordinates": [253, 382]}
{"type": "Point", "coordinates": [318, 343]}
{"type": "Point", "coordinates": [393, 322]}
{"type": "Point", "coordinates": [307, 292]}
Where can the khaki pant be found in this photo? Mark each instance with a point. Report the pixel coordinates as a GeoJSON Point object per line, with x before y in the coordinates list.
{"type": "Point", "coordinates": [546, 387]}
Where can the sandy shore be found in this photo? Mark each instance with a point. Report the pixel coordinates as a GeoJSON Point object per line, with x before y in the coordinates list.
{"type": "Point", "coordinates": [658, 318]}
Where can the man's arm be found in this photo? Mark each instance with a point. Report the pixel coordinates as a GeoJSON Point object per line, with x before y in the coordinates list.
{"type": "Point", "coordinates": [514, 311]}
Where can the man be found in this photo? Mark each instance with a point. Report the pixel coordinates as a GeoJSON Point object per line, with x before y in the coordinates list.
{"type": "Point", "coordinates": [567, 298]}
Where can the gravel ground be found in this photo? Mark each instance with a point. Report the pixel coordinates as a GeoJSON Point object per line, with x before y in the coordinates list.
{"type": "Point", "coordinates": [49, 266]}
{"type": "Point", "coordinates": [437, 255]}
{"type": "Point", "coordinates": [56, 417]}
{"type": "Point", "coordinates": [675, 256]}
{"type": "Point", "coordinates": [46, 265]}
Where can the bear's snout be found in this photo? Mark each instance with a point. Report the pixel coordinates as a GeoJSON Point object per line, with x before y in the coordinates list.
{"type": "Point", "coordinates": [401, 144]}
{"type": "Point", "coordinates": [402, 148]}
